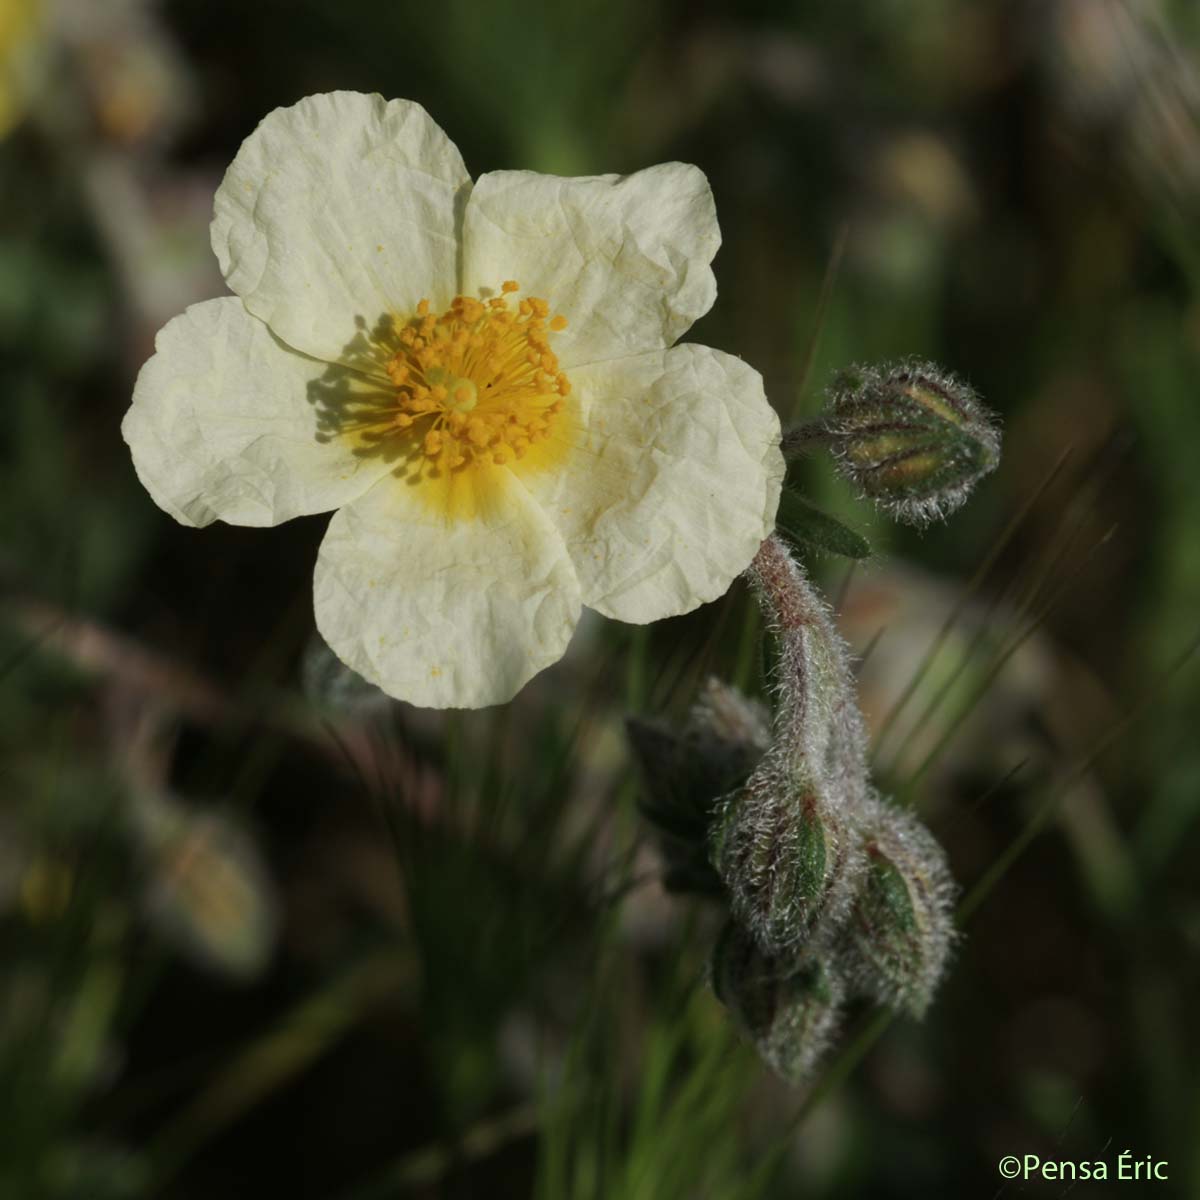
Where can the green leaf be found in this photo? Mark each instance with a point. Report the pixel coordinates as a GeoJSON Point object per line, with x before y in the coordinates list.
{"type": "Point", "coordinates": [801, 521]}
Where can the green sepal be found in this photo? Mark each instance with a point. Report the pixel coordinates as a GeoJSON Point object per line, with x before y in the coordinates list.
{"type": "Point", "coordinates": [901, 925]}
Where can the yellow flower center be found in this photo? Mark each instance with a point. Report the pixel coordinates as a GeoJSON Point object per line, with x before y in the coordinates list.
{"type": "Point", "coordinates": [478, 384]}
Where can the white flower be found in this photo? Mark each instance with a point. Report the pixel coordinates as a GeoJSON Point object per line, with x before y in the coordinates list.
{"type": "Point", "coordinates": [390, 352]}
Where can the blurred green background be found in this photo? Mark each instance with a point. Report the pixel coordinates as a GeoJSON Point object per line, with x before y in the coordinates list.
{"type": "Point", "coordinates": [264, 933]}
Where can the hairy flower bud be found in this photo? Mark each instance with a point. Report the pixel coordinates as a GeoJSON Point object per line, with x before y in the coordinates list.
{"type": "Point", "coordinates": [686, 771]}
{"type": "Point", "coordinates": [790, 859]}
{"type": "Point", "coordinates": [913, 438]}
{"type": "Point", "coordinates": [902, 925]}
{"type": "Point", "coordinates": [789, 1010]}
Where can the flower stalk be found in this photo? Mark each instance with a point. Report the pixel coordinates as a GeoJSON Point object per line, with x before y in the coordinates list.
{"type": "Point", "coordinates": [785, 845]}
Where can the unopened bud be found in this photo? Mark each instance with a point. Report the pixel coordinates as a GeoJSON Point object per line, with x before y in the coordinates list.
{"type": "Point", "coordinates": [724, 717]}
{"type": "Point", "coordinates": [790, 1011]}
{"type": "Point", "coordinates": [686, 771]}
{"type": "Point", "coordinates": [912, 437]}
{"type": "Point", "coordinates": [902, 925]}
{"type": "Point", "coordinates": [790, 860]}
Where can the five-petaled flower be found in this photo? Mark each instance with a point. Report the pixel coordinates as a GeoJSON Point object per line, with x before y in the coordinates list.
{"type": "Point", "coordinates": [479, 377]}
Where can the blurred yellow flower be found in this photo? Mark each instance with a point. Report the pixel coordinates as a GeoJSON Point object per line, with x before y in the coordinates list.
{"type": "Point", "coordinates": [479, 377]}
{"type": "Point", "coordinates": [19, 23]}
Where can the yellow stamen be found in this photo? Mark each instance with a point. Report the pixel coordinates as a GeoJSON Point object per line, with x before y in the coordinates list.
{"type": "Point", "coordinates": [477, 387]}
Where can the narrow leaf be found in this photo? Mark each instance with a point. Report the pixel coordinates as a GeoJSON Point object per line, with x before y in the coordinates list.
{"type": "Point", "coordinates": [801, 521]}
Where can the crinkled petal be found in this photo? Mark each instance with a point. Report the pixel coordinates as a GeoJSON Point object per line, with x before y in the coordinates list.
{"type": "Point", "coordinates": [446, 612]}
{"type": "Point", "coordinates": [624, 259]}
{"type": "Point", "coordinates": [227, 424]}
{"type": "Point", "coordinates": [674, 482]}
{"type": "Point", "coordinates": [342, 206]}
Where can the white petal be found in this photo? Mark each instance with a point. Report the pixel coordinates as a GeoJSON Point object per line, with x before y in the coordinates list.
{"type": "Point", "coordinates": [625, 260]}
{"type": "Point", "coordinates": [229, 423]}
{"type": "Point", "coordinates": [341, 206]}
{"type": "Point", "coordinates": [445, 612]}
{"type": "Point", "coordinates": [674, 482]}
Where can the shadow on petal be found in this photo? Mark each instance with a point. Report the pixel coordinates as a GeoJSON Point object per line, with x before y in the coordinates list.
{"type": "Point", "coordinates": [354, 399]}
